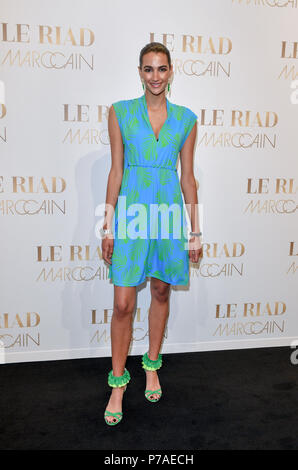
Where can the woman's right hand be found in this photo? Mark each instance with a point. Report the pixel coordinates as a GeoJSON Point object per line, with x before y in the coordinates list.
{"type": "Point", "coordinates": [107, 247]}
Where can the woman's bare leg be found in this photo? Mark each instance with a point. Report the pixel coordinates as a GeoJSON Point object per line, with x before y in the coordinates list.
{"type": "Point", "coordinates": [121, 333]}
{"type": "Point", "coordinates": [158, 314]}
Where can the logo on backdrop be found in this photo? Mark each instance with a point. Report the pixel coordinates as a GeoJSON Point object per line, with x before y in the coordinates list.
{"type": "Point", "coordinates": [100, 335]}
{"type": "Point", "coordinates": [57, 263]}
{"type": "Point", "coordinates": [221, 260]}
{"type": "Point", "coordinates": [26, 195]}
{"type": "Point", "coordinates": [198, 56]}
{"type": "Point", "coordinates": [225, 260]}
{"type": "Point", "coordinates": [271, 196]}
{"type": "Point", "coordinates": [293, 252]}
{"type": "Point", "coordinates": [19, 330]}
{"type": "Point", "coordinates": [84, 124]}
{"type": "Point", "coordinates": [289, 51]}
{"type": "Point", "coordinates": [238, 128]}
{"type": "Point", "coordinates": [250, 318]}
{"type": "Point", "coordinates": [46, 47]}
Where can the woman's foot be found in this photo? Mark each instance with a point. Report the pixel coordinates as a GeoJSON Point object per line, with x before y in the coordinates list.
{"type": "Point", "coordinates": [115, 403]}
{"type": "Point", "coordinates": [152, 383]}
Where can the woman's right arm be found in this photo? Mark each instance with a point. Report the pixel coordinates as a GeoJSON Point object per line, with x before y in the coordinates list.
{"type": "Point", "coordinates": [114, 181]}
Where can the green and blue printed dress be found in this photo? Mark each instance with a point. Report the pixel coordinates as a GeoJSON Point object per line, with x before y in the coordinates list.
{"type": "Point", "coordinates": [149, 243]}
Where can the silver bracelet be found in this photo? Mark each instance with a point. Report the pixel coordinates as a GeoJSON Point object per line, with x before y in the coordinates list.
{"type": "Point", "coordinates": [105, 231]}
{"type": "Point", "coordinates": [196, 234]}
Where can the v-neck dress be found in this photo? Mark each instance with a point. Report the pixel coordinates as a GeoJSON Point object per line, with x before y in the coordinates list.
{"type": "Point", "coordinates": [149, 223]}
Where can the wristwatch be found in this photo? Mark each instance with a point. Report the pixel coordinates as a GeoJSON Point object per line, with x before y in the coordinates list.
{"type": "Point", "coordinates": [195, 234]}
{"type": "Point", "coordinates": [104, 231]}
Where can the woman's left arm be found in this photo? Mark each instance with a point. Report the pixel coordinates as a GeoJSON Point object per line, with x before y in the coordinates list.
{"type": "Point", "coordinates": [189, 190]}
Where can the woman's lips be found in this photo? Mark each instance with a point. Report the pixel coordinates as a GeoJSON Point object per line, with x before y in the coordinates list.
{"type": "Point", "coordinates": [155, 85]}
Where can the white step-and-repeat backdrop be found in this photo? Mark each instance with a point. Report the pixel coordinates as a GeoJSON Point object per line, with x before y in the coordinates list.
{"type": "Point", "coordinates": [63, 62]}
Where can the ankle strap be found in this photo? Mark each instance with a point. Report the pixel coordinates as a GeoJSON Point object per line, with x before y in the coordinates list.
{"type": "Point", "coordinates": [118, 381]}
{"type": "Point", "coordinates": [149, 364]}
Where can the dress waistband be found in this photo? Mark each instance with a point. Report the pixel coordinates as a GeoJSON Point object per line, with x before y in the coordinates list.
{"type": "Point", "coordinates": [152, 166]}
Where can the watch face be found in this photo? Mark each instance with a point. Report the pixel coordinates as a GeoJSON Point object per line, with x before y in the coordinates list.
{"type": "Point", "coordinates": [103, 232]}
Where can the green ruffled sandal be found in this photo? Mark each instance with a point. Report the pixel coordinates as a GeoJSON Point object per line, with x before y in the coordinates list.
{"type": "Point", "coordinates": [116, 382]}
{"type": "Point", "coordinates": [149, 364]}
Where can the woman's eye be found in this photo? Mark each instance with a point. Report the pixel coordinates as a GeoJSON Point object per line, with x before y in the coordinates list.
{"type": "Point", "coordinates": [161, 70]}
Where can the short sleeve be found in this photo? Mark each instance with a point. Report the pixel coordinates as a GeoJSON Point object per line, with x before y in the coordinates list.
{"type": "Point", "coordinates": [189, 120]}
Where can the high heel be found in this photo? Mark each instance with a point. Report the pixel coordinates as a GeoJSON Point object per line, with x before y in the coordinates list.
{"type": "Point", "coordinates": [116, 382]}
{"type": "Point", "coordinates": [149, 364]}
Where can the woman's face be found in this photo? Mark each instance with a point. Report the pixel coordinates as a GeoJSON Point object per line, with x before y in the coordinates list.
{"type": "Point", "coordinates": [155, 72]}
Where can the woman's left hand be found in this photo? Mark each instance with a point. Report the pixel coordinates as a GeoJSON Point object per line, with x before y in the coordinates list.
{"type": "Point", "coordinates": [195, 249]}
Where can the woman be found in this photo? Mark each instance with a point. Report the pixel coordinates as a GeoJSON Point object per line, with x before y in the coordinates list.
{"type": "Point", "coordinates": [146, 135]}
